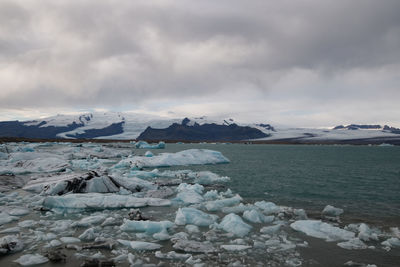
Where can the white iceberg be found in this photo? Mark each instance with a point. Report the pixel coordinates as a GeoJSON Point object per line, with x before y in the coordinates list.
{"type": "Point", "coordinates": [255, 216]}
{"type": "Point", "coordinates": [332, 211]}
{"type": "Point", "coordinates": [185, 157]}
{"type": "Point", "coordinates": [268, 207]}
{"type": "Point", "coordinates": [233, 224]}
{"type": "Point", "coordinates": [322, 230]}
{"type": "Point", "coordinates": [172, 255]}
{"type": "Point", "coordinates": [194, 216]}
{"type": "Point", "coordinates": [354, 243]}
{"type": "Point", "coordinates": [10, 244]}
{"type": "Point", "coordinates": [189, 194]}
{"type": "Point", "coordinates": [96, 201]}
{"type": "Point", "coordinates": [139, 245]}
{"type": "Point", "coordinates": [6, 218]}
{"type": "Point", "coordinates": [31, 259]}
{"type": "Point", "coordinates": [193, 246]}
{"type": "Point", "coordinates": [145, 145]}
{"type": "Point", "coordinates": [219, 204]}
{"type": "Point", "coordinates": [235, 247]}
{"type": "Point", "coordinates": [157, 230]}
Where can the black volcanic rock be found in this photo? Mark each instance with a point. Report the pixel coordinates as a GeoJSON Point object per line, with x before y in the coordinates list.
{"type": "Point", "coordinates": [113, 129]}
{"type": "Point", "coordinates": [358, 126]}
{"type": "Point", "coordinates": [20, 129]}
{"type": "Point", "coordinates": [205, 132]}
{"type": "Point", "coordinates": [267, 127]}
{"type": "Point", "coordinates": [391, 129]}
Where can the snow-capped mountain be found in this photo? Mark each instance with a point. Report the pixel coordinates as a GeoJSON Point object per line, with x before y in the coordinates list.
{"type": "Point", "coordinates": [124, 126]}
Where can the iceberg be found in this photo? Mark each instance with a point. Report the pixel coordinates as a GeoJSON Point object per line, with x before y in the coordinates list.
{"type": "Point", "coordinates": [322, 230]}
{"type": "Point", "coordinates": [95, 201]}
{"type": "Point", "coordinates": [66, 183]}
{"type": "Point", "coordinates": [391, 242]}
{"type": "Point", "coordinates": [194, 216]}
{"type": "Point", "coordinates": [10, 244]}
{"type": "Point", "coordinates": [189, 194]}
{"type": "Point", "coordinates": [354, 243]}
{"type": "Point", "coordinates": [139, 245]}
{"type": "Point", "coordinates": [219, 204]}
{"type": "Point", "coordinates": [157, 230]}
{"type": "Point", "coordinates": [235, 247]}
{"type": "Point", "coordinates": [90, 220]}
{"type": "Point", "coordinates": [193, 246]}
{"type": "Point", "coordinates": [268, 207]}
{"type": "Point", "coordinates": [332, 211]}
{"type": "Point", "coordinates": [31, 259]}
{"type": "Point", "coordinates": [207, 178]}
{"type": "Point", "coordinates": [172, 255]}
{"type": "Point", "coordinates": [145, 145]}
{"type": "Point", "coordinates": [271, 230]}
{"type": "Point", "coordinates": [233, 224]}
{"type": "Point", "coordinates": [255, 216]}
{"type": "Point", "coordinates": [6, 218]}
{"type": "Point", "coordinates": [185, 157]}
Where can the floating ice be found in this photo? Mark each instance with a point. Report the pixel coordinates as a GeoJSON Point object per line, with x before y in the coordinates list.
{"type": "Point", "coordinates": [10, 244]}
{"type": "Point", "coordinates": [207, 177]}
{"type": "Point", "coordinates": [10, 230]}
{"type": "Point", "coordinates": [332, 211]}
{"type": "Point", "coordinates": [140, 245]}
{"type": "Point", "coordinates": [257, 217]}
{"type": "Point", "coordinates": [88, 235]}
{"type": "Point", "coordinates": [5, 218]}
{"type": "Point", "coordinates": [134, 184]}
{"type": "Point", "coordinates": [95, 201]}
{"type": "Point", "coordinates": [239, 208]}
{"type": "Point", "coordinates": [172, 255]}
{"type": "Point", "coordinates": [70, 240]}
{"type": "Point", "coordinates": [322, 230]}
{"type": "Point", "coordinates": [65, 183]}
{"type": "Point", "coordinates": [31, 259]}
{"type": "Point", "coordinates": [235, 247]}
{"type": "Point", "coordinates": [27, 223]}
{"type": "Point", "coordinates": [18, 211]}
{"type": "Point", "coordinates": [194, 216]}
{"type": "Point", "coordinates": [354, 243]}
{"type": "Point", "coordinates": [193, 246]}
{"type": "Point", "coordinates": [157, 230]}
{"type": "Point", "coordinates": [148, 154]}
{"type": "Point", "coordinates": [145, 145]}
{"type": "Point", "coordinates": [49, 163]}
{"type": "Point", "coordinates": [189, 194]}
{"type": "Point", "coordinates": [268, 207]}
{"type": "Point", "coordinates": [233, 224]}
{"type": "Point", "coordinates": [217, 205]}
{"type": "Point", "coordinates": [88, 221]}
{"type": "Point", "coordinates": [391, 242]}
{"type": "Point", "coordinates": [185, 157]}
{"type": "Point", "coordinates": [271, 230]}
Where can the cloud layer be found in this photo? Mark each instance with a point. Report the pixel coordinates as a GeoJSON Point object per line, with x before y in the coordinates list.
{"type": "Point", "coordinates": [310, 63]}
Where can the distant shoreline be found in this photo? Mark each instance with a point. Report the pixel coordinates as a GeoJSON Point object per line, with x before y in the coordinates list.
{"type": "Point", "coordinates": [288, 141]}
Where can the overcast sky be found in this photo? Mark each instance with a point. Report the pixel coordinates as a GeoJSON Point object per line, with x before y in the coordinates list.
{"type": "Point", "coordinates": [302, 63]}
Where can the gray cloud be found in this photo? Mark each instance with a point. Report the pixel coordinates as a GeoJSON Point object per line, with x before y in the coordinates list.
{"type": "Point", "coordinates": [218, 56]}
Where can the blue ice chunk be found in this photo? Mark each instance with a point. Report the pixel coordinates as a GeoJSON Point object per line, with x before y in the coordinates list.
{"type": "Point", "coordinates": [234, 224]}
{"type": "Point", "coordinates": [194, 216]}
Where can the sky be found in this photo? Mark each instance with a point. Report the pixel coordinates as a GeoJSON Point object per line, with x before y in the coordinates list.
{"type": "Point", "coordinates": [307, 63]}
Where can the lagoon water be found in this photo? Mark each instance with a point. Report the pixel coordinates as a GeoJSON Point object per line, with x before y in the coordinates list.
{"type": "Point", "coordinates": [363, 180]}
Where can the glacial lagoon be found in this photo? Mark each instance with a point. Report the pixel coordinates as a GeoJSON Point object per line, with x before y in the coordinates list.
{"type": "Point", "coordinates": [199, 205]}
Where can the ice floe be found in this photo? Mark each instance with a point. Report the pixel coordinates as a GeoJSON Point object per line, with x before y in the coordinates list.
{"type": "Point", "coordinates": [194, 216]}
{"type": "Point", "coordinates": [322, 230]}
{"type": "Point", "coordinates": [31, 259]}
{"type": "Point", "coordinates": [234, 224]}
{"type": "Point", "coordinates": [95, 201]}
